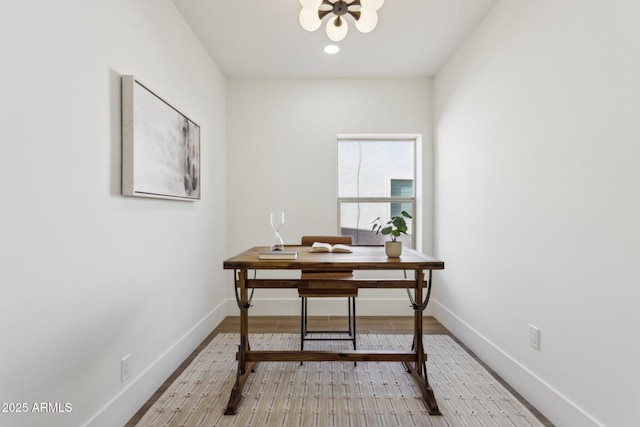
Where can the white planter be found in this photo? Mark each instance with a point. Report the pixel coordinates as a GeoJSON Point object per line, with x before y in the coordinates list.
{"type": "Point", "coordinates": [393, 249]}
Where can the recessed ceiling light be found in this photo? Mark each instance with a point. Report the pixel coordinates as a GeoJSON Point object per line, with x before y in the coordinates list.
{"type": "Point", "coordinates": [331, 49]}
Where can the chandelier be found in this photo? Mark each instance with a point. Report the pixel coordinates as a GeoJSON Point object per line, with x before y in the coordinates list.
{"type": "Point", "coordinates": [365, 13]}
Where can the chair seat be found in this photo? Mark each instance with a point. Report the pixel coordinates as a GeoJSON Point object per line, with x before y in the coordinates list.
{"type": "Point", "coordinates": [327, 292]}
{"type": "Point", "coordinates": [306, 274]}
{"type": "Point", "coordinates": [322, 285]}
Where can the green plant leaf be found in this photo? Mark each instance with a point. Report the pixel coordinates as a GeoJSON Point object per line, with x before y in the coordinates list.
{"type": "Point", "coordinates": [394, 227]}
{"type": "Point", "coordinates": [400, 223]}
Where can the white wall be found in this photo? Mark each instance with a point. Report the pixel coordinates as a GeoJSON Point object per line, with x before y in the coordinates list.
{"type": "Point", "coordinates": [282, 154]}
{"type": "Point", "coordinates": [88, 276]}
{"type": "Point", "coordinates": [537, 202]}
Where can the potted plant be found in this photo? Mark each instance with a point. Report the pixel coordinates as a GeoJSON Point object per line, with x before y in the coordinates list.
{"type": "Point", "coordinates": [396, 226]}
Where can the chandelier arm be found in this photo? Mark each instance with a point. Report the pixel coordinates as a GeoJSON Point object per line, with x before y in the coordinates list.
{"type": "Point", "coordinates": [323, 13]}
{"type": "Point", "coordinates": [356, 14]}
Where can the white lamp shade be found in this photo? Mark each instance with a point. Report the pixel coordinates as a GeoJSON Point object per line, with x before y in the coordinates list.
{"type": "Point", "coordinates": [309, 19]}
{"type": "Point", "coordinates": [372, 5]}
{"type": "Point", "coordinates": [311, 4]}
{"type": "Point", "coordinates": [336, 33]}
{"type": "Point", "coordinates": [367, 21]}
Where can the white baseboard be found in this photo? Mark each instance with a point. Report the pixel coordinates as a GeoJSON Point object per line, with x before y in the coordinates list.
{"type": "Point", "coordinates": [125, 404]}
{"type": "Point", "coordinates": [555, 406]}
{"type": "Point", "coordinates": [326, 307]}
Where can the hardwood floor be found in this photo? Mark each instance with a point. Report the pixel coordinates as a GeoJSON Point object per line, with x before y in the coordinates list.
{"type": "Point", "coordinates": [291, 324]}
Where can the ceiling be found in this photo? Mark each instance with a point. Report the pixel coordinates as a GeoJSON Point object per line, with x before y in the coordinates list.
{"type": "Point", "coordinates": [263, 38]}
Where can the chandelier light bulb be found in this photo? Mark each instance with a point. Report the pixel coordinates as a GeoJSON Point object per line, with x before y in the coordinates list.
{"type": "Point", "coordinates": [311, 4]}
{"type": "Point", "coordinates": [337, 29]}
{"type": "Point", "coordinates": [367, 21]}
{"type": "Point", "coordinates": [309, 19]}
{"type": "Point", "coordinates": [371, 5]}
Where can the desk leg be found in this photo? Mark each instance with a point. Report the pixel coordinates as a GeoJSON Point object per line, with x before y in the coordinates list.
{"type": "Point", "coordinates": [418, 369]}
{"type": "Point", "coordinates": [244, 367]}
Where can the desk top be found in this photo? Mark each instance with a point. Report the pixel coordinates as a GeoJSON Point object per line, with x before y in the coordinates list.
{"type": "Point", "coordinates": [362, 258]}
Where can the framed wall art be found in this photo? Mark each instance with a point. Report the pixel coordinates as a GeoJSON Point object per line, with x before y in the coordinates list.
{"type": "Point", "coordinates": [160, 146]}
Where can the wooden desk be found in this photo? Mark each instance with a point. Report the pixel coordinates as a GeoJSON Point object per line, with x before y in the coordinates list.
{"type": "Point", "coordinates": [362, 258]}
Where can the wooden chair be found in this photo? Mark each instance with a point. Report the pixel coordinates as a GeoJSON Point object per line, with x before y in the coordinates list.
{"type": "Point", "coordinates": [305, 293]}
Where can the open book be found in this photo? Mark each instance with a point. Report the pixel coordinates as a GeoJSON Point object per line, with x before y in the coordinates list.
{"type": "Point", "coordinates": [325, 247]}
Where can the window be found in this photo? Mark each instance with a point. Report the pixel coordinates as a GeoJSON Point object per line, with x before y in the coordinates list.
{"type": "Point", "coordinates": [376, 178]}
{"type": "Point", "coordinates": [402, 188]}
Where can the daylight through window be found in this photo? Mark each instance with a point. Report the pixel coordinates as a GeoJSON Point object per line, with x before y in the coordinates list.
{"type": "Point", "coordinates": [376, 178]}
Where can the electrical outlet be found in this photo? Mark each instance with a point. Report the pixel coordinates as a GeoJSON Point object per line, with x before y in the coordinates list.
{"type": "Point", "coordinates": [534, 337]}
{"type": "Point", "coordinates": [125, 368]}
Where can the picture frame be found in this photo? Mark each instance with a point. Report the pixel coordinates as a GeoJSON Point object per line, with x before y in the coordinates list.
{"type": "Point", "coordinates": [160, 146]}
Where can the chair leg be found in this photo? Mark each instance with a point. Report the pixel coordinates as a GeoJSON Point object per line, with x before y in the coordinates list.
{"type": "Point", "coordinates": [351, 309]}
{"type": "Point", "coordinates": [306, 316]}
{"type": "Point", "coordinates": [303, 321]}
{"type": "Point", "coordinates": [303, 316]}
{"type": "Point", "coordinates": [349, 316]}
{"type": "Point", "coordinates": [352, 323]}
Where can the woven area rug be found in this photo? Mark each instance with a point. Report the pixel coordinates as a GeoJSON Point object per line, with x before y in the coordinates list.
{"type": "Point", "coordinates": [339, 394]}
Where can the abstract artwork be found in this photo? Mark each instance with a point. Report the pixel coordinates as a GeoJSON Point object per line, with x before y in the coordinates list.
{"type": "Point", "coordinates": [160, 146]}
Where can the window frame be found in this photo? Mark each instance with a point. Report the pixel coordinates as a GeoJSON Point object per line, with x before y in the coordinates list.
{"type": "Point", "coordinates": [417, 188]}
